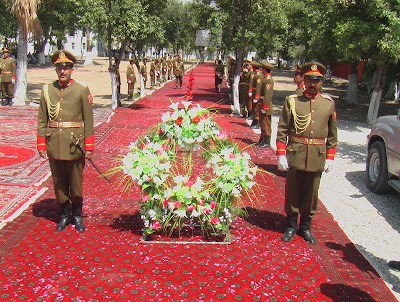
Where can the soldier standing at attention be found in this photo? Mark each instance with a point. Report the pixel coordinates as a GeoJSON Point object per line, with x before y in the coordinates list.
{"type": "Point", "coordinates": [7, 69]}
{"type": "Point", "coordinates": [131, 78]}
{"type": "Point", "coordinates": [242, 88]}
{"type": "Point", "coordinates": [65, 119]}
{"type": "Point", "coordinates": [254, 93]}
{"type": "Point", "coordinates": [169, 65]}
{"type": "Point", "coordinates": [299, 80]}
{"type": "Point", "coordinates": [164, 69]}
{"type": "Point", "coordinates": [248, 79]}
{"type": "Point", "coordinates": [265, 105]}
{"type": "Point", "coordinates": [219, 72]}
{"type": "Point", "coordinates": [306, 146]}
{"type": "Point", "coordinates": [153, 71]}
{"type": "Point", "coordinates": [179, 70]}
{"type": "Point", "coordinates": [143, 72]}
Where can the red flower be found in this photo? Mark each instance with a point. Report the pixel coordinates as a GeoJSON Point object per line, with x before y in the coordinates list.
{"type": "Point", "coordinates": [190, 208]}
{"type": "Point", "coordinates": [156, 225]}
{"type": "Point", "coordinates": [196, 119]}
{"type": "Point", "coordinates": [213, 204]}
{"type": "Point", "coordinates": [232, 156]}
{"type": "Point", "coordinates": [179, 121]}
{"type": "Point", "coordinates": [145, 198]}
{"type": "Point", "coordinates": [189, 183]}
{"type": "Point", "coordinates": [207, 210]}
{"type": "Point", "coordinates": [159, 131]}
{"type": "Point", "coordinates": [201, 202]}
{"type": "Point", "coordinates": [165, 202]}
{"type": "Point", "coordinates": [214, 220]}
{"type": "Point", "coordinates": [177, 204]}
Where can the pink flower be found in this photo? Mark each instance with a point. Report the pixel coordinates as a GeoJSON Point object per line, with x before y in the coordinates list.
{"type": "Point", "coordinates": [160, 131]}
{"type": "Point", "coordinates": [222, 135]}
{"type": "Point", "coordinates": [232, 156]}
{"type": "Point", "coordinates": [156, 225]}
{"type": "Point", "coordinates": [177, 204]}
{"type": "Point", "coordinates": [165, 202]}
{"type": "Point", "coordinates": [213, 204]}
{"type": "Point", "coordinates": [201, 202]}
{"type": "Point", "coordinates": [207, 210]}
{"type": "Point", "coordinates": [190, 208]}
{"type": "Point", "coordinates": [189, 183]}
{"type": "Point", "coordinates": [145, 198]}
{"type": "Point", "coordinates": [214, 220]}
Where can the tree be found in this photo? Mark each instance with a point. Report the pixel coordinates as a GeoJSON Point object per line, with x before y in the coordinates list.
{"type": "Point", "coordinates": [25, 12]}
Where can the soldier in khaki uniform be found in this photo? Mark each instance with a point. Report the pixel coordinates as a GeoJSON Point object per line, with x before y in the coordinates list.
{"type": "Point", "coordinates": [170, 66]}
{"type": "Point", "coordinates": [247, 80]}
{"type": "Point", "coordinates": [130, 78]}
{"type": "Point", "coordinates": [143, 71]}
{"type": "Point", "coordinates": [219, 72]}
{"type": "Point", "coordinates": [254, 93]}
{"type": "Point", "coordinates": [179, 71]}
{"type": "Point", "coordinates": [265, 107]}
{"type": "Point", "coordinates": [164, 69]}
{"type": "Point", "coordinates": [8, 76]}
{"type": "Point", "coordinates": [153, 73]}
{"type": "Point", "coordinates": [306, 146]}
{"type": "Point", "coordinates": [299, 80]}
{"type": "Point", "coordinates": [65, 119]}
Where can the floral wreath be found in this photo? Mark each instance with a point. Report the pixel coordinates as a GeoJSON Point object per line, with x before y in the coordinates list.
{"type": "Point", "coordinates": [161, 163]}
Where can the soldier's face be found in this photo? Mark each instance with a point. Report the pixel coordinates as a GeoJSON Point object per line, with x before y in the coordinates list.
{"type": "Point", "coordinates": [64, 73]}
{"type": "Point", "coordinates": [6, 54]}
{"type": "Point", "coordinates": [313, 85]}
{"type": "Point", "coordinates": [298, 78]}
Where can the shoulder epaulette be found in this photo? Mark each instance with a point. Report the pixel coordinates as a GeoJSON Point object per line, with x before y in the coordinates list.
{"type": "Point", "coordinates": [327, 96]}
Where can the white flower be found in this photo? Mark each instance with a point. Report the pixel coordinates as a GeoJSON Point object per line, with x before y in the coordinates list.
{"type": "Point", "coordinates": [180, 213]}
{"type": "Point", "coordinates": [186, 104]}
{"type": "Point", "coordinates": [195, 213]}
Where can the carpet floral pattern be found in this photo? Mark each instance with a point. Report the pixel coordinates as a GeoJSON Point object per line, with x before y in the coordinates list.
{"type": "Point", "coordinates": [110, 263]}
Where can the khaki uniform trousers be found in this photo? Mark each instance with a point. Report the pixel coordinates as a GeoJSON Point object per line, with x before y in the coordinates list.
{"type": "Point", "coordinates": [67, 179]}
{"type": "Point", "coordinates": [301, 192]}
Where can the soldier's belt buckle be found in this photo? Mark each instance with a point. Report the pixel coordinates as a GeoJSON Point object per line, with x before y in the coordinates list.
{"type": "Point", "coordinates": [310, 141]}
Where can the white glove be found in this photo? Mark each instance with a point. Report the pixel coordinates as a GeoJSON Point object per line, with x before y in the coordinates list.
{"type": "Point", "coordinates": [282, 163]}
{"type": "Point", "coordinates": [328, 165]}
{"type": "Point", "coordinates": [255, 101]}
{"type": "Point", "coordinates": [263, 111]}
{"type": "Point", "coordinates": [129, 81]}
{"type": "Point", "coordinates": [250, 94]}
{"type": "Point", "coordinates": [13, 81]}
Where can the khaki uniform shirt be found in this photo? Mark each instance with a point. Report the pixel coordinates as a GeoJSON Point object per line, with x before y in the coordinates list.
{"type": "Point", "coordinates": [179, 69]}
{"type": "Point", "coordinates": [143, 70]}
{"type": "Point", "coordinates": [8, 69]}
{"type": "Point", "coordinates": [75, 105]}
{"type": "Point", "coordinates": [266, 92]}
{"type": "Point", "coordinates": [321, 116]}
{"type": "Point", "coordinates": [130, 74]}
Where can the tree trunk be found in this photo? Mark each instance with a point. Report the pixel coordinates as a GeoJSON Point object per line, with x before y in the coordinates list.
{"type": "Point", "coordinates": [22, 68]}
{"type": "Point", "coordinates": [373, 108]}
{"type": "Point", "coordinates": [235, 88]}
{"type": "Point", "coordinates": [352, 86]}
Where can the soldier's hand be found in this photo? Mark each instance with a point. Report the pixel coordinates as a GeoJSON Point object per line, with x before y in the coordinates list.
{"type": "Point", "coordinates": [255, 101]}
{"type": "Point", "coordinates": [263, 111]}
{"type": "Point", "coordinates": [328, 165]}
{"type": "Point", "coordinates": [250, 94]}
{"type": "Point", "coordinates": [13, 81]}
{"type": "Point", "coordinates": [129, 81]}
{"type": "Point", "coordinates": [89, 154]}
{"type": "Point", "coordinates": [43, 153]}
{"type": "Point", "coordinates": [283, 163]}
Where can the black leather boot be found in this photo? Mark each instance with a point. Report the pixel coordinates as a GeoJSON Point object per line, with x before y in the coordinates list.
{"type": "Point", "coordinates": [305, 230]}
{"type": "Point", "coordinates": [65, 216]}
{"type": "Point", "coordinates": [254, 124]}
{"type": "Point", "coordinates": [266, 143]}
{"type": "Point", "coordinates": [291, 229]}
{"type": "Point", "coordinates": [77, 216]}
{"type": "Point", "coordinates": [261, 140]}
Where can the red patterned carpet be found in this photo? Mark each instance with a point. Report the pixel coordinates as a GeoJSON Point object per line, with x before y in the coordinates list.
{"type": "Point", "coordinates": [109, 263]}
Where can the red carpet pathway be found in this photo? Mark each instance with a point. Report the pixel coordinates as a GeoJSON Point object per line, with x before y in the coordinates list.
{"type": "Point", "coordinates": [109, 263]}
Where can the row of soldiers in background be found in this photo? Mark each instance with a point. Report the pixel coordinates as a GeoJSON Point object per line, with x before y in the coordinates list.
{"type": "Point", "coordinates": [161, 70]}
{"type": "Point", "coordinates": [8, 76]}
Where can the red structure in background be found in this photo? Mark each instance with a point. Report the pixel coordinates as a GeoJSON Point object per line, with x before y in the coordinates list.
{"type": "Point", "coordinates": [342, 70]}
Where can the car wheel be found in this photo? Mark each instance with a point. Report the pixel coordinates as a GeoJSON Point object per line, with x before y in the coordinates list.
{"type": "Point", "coordinates": [377, 170]}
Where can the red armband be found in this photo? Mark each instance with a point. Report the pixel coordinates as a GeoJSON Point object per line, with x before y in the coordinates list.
{"type": "Point", "coordinates": [280, 148]}
{"type": "Point", "coordinates": [41, 143]}
{"type": "Point", "coordinates": [330, 153]}
{"type": "Point", "coordinates": [89, 143]}
{"type": "Point", "coordinates": [265, 107]}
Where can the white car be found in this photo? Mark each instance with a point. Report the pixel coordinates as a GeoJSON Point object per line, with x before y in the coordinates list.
{"type": "Point", "coordinates": [383, 154]}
